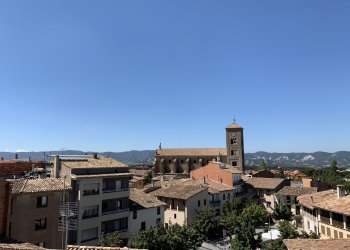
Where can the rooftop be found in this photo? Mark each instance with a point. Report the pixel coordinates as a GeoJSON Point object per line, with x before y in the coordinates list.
{"type": "Point", "coordinates": [191, 152]}
{"type": "Point", "coordinates": [101, 175]}
{"type": "Point", "coordinates": [143, 199]}
{"type": "Point", "coordinates": [38, 185]}
{"type": "Point", "coordinates": [234, 125]}
{"type": "Point", "coordinates": [181, 191]}
{"type": "Point", "coordinates": [91, 162]}
{"type": "Point", "coordinates": [296, 191]}
{"type": "Point", "coordinates": [264, 183]}
{"type": "Point", "coordinates": [317, 244]}
{"type": "Point", "coordinates": [326, 200]}
{"type": "Point", "coordinates": [20, 246]}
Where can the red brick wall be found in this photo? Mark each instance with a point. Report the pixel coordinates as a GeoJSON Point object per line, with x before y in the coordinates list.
{"type": "Point", "coordinates": [213, 172]}
{"type": "Point", "coordinates": [16, 167]}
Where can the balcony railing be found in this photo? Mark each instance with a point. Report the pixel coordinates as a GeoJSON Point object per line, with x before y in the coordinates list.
{"type": "Point", "coordinates": [87, 215]}
{"type": "Point", "coordinates": [91, 192]}
{"type": "Point", "coordinates": [114, 211]}
{"type": "Point", "coordinates": [120, 230]}
{"type": "Point", "coordinates": [115, 190]}
{"type": "Point", "coordinates": [338, 224]}
{"type": "Point", "coordinates": [215, 203]}
{"type": "Point", "coordinates": [325, 220]}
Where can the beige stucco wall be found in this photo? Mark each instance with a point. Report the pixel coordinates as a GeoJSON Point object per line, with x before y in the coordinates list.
{"type": "Point", "coordinates": [25, 213]}
{"type": "Point", "coordinates": [148, 215]}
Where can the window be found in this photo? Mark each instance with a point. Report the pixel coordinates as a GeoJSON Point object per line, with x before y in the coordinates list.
{"type": "Point", "coordinates": [205, 202]}
{"type": "Point", "coordinates": [134, 214]}
{"type": "Point", "coordinates": [158, 210]}
{"type": "Point", "coordinates": [224, 196]}
{"type": "Point", "coordinates": [89, 234]}
{"type": "Point", "coordinates": [158, 220]}
{"type": "Point", "coordinates": [217, 212]}
{"type": "Point", "coordinates": [268, 204]}
{"type": "Point", "coordinates": [328, 231]}
{"type": "Point", "coordinates": [308, 225]}
{"type": "Point", "coordinates": [143, 225]}
{"type": "Point", "coordinates": [40, 224]}
{"type": "Point", "coordinates": [228, 196]}
{"type": "Point", "coordinates": [90, 212]}
{"type": "Point", "coordinates": [341, 235]}
{"type": "Point", "coordinates": [41, 201]}
{"type": "Point", "coordinates": [233, 152]}
{"type": "Point", "coordinates": [234, 163]}
{"type": "Point", "coordinates": [174, 216]}
{"type": "Point", "coordinates": [323, 231]}
{"type": "Point", "coordinates": [172, 204]}
{"type": "Point", "coordinates": [199, 203]}
{"type": "Point", "coordinates": [194, 161]}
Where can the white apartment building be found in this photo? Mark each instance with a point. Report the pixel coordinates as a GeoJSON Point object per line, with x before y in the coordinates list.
{"type": "Point", "coordinates": [100, 186]}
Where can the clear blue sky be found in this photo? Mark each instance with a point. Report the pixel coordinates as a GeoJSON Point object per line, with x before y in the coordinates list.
{"type": "Point", "coordinates": [123, 75]}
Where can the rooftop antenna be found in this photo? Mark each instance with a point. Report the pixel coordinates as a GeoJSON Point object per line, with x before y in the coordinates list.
{"type": "Point", "coordinates": [234, 118]}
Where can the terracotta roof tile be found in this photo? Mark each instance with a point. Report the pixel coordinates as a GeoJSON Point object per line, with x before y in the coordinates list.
{"type": "Point", "coordinates": [101, 175]}
{"type": "Point", "coordinates": [327, 200]}
{"type": "Point", "coordinates": [296, 191]}
{"type": "Point", "coordinates": [183, 192]}
{"type": "Point", "coordinates": [317, 244]}
{"type": "Point", "coordinates": [145, 200]}
{"type": "Point", "coordinates": [264, 183]}
{"type": "Point", "coordinates": [234, 125]}
{"type": "Point", "coordinates": [20, 246]}
{"type": "Point", "coordinates": [191, 152]}
{"type": "Point", "coordinates": [90, 162]}
{"type": "Point", "coordinates": [38, 185]}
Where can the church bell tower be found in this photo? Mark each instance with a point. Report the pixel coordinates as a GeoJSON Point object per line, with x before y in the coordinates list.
{"type": "Point", "coordinates": [235, 146]}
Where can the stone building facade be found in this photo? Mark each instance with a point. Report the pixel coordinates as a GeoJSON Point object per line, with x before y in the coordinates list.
{"type": "Point", "coordinates": [182, 160]}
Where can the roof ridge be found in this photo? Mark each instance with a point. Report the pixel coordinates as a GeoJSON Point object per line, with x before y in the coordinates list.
{"type": "Point", "coordinates": [24, 184]}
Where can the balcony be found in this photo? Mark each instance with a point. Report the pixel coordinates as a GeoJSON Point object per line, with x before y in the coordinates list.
{"type": "Point", "coordinates": [91, 192]}
{"type": "Point", "coordinates": [325, 220]}
{"type": "Point", "coordinates": [87, 215]}
{"type": "Point", "coordinates": [113, 206]}
{"type": "Point", "coordinates": [114, 211]}
{"type": "Point", "coordinates": [338, 224]}
{"type": "Point", "coordinates": [120, 225]}
{"type": "Point", "coordinates": [112, 190]}
{"type": "Point", "coordinates": [215, 203]}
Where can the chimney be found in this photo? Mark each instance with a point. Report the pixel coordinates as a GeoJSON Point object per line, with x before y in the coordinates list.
{"type": "Point", "coordinates": [56, 166]}
{"type": "Point", "coordinates": [340, 191]}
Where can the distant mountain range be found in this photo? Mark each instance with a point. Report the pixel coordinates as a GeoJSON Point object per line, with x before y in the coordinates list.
{"type": "Point", "coordinates": [316, 159]}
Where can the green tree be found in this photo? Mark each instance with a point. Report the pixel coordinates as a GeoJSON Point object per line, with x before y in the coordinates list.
{"type": "Point", "coordinates": [287, 230]}
{"type": "Point", "coordinates": [234, 206]}
{"type": "Point", "coordinates": [230, 222]}
{"type": "Point", "coordinates": [244, 238]}
{"type": "Point", "coordinates": [262, 165]}
{"type": "Point", "coordinates": [148, 177]}
{"type": "Point", "coordinates": [175, 237]}
{"type": "Point", "coordinates": [282, 212]}
{"type": "Point", "coordinates": [255, 214]}
{"type": "Point", "coordinates": [204, 222]}
{"type": "Point", "coordinates": [111, 240]}
{"type": "Point", "coordinates": [274, 245]}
